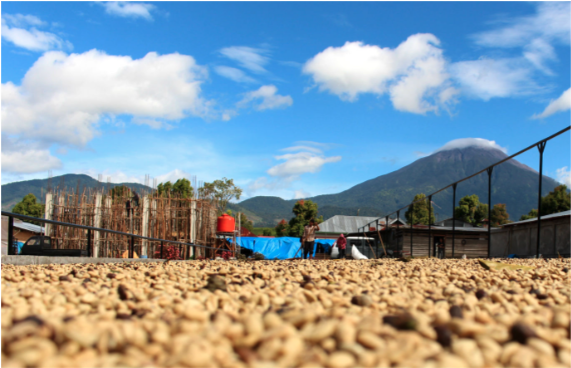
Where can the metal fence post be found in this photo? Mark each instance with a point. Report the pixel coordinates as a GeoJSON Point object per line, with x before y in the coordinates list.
{"type": "Point", "coordinates": [398, 230]}
{"type": "Point", "coordinates": [132, 247]}
{"type": "Point", "coordinates": [411, 225]}
{"type": "Point", "coordinates": [429, 225]}
{"type": "Point", "coordinates": [89, 254]}
{"type": "Point", "coordinates": [490, 169]}
{"type": "Point", "coordinates": [541, 148]}
{"type": "Point", "coordinates": [11, 250]}
{"type": "Point", "coordinates": [453, 217]}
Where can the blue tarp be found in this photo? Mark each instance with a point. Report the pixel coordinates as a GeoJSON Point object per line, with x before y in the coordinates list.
{"type": "Point", "coordinates": [280, 248]}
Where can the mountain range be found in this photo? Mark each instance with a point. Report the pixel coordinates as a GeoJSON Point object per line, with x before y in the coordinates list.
{"type": "Point", "coordinates": [513, 183]}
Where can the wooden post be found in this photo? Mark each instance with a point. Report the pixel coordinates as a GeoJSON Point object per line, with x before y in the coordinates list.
{"type": "Point", "coordinates": [145, 225]}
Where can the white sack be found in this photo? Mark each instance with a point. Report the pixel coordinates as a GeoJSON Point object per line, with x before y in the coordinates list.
{"type": "Point", "coordinates": [356, 254]}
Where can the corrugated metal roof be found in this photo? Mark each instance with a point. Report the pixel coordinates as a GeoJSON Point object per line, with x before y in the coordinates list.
{"type": "Point", "coordinates": [29, 227]}
{"type": "Point", "coordinates": [546, 217]}
{"type": "Point", "coordinates": [349, 224]}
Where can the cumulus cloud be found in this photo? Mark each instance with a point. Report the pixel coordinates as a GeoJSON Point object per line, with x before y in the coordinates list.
{"type": "Point", "coordinates": [471, 142]}
{"type": "Point", "coordinates": [413, 74]}
{"type": "Point", "coordinates": [153, 123]}
{"type": "Point", "coordinates": [564, 176]}
{"type": "Point", "coordinates": [128, 9]}
{"type": "Point", "coordinates": [488, 78]}
{"type": "Point", "coordinates": [563, 103]}
{"type": "Point", "coordinates": [265, 98]}
{"type": "Point", "coordinates": [250, 58]}
{"type": "Point", "coordinates": [63, 98]}
{"type": "Point", "coordinates": [26, 157]}
{"type": "Point", "coordinates": [234, 74]}
{"type": "Point", "coordinates": [21, 30]}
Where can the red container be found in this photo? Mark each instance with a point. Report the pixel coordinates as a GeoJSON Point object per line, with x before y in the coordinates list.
{"type": "Point", "coordinates": [226, 224]}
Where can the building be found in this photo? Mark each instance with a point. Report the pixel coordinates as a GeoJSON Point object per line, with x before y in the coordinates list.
{"type": "Point", "coordinates": [350, 224]}
{"type": "Point", "coordinates": [22, 232]}
{"type": "Point", "coordinates": [520, 237]}
{"type": "Point", "coordinates": [448, 223]}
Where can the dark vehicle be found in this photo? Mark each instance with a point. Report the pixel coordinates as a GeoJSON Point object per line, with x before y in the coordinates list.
{"type": "Point", "coordinates": [42, 246]}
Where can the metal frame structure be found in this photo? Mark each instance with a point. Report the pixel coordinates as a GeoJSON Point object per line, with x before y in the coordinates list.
{"type": "Point", "coordinates": [540, 146]}
{"type": "Point", "coordinates": [90, 229]}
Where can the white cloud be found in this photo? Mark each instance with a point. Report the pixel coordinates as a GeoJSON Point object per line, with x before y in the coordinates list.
{"type": "Point", "coordinates": [22, 20]}
{"type": "Point", "coordinates": [471, 142]}
{"type": "Point", "coordinates": [489, 78]}
{"type": "Point", "coordinates": [564, 176]}
{"type": "Point", "coordinates": [551, 22]}
{"type": "Point", "coordinates": [248, 57]}
{"type": "Point", "coordinates": [234, 74]}
{"type": "Point", "coordinates": [563, 103]}
{"type": "Point", "coordinates": [128, 9]}
{"type": "Point", "coordinates": [301, 194]}
{"type": "Point", "coordinates": [300, 163]}
{"type": "Point", "coordinates": [173, 176]}
{"type": "Point", "coordinates": [20, 30]}
{"type": "Point", "coordinates": [302, 148]}
{"type": "Point", "coordinates": [269, 98]}
{"type": "Point", "coordinates": [63, 98]}
{"type": "Point", "coordinates": [29, 161]}
{"type": "Point", "coordinates": [535, 34]}
{"type": "Point", "coordinates": [413, 74]}
{"type": "Point", "coordinates": [153, 123]}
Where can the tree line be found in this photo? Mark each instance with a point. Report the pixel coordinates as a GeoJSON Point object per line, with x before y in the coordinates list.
{"type": "Point", "coordinates": [472, 211]}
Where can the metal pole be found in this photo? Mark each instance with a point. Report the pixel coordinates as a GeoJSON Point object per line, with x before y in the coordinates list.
{"type": "Point", "coordinates": [453, 217]}
{"type": "Point", "coordinates": [11, 250]}
{"type": "Point", "coordinates": [398, 230]}
{"type": "Point", "coordinates": [490, 209]}
{"type": "Point", "coordinates": [411, 224]}
{"type": "Point", "coordinates": [429, 224]}
{"type": "Point", "coordinates": [541, 148]}
{"type": "Point", "coordinates": [132, 248]}
{"type": "Point", "coordinates": [162, 247]}
{"type": "Point", "coordinates": [89, 243]}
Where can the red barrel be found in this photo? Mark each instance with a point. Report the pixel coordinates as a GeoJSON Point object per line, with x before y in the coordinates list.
{"type": "Point", "coordinates": [226, 224]}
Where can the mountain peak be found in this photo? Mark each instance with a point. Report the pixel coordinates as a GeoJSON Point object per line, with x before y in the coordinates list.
{"type": "Point", "coordinates": [471, 142]}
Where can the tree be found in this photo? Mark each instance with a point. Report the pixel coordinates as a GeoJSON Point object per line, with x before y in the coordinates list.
{"type": "Point", "coordinates": [180, 189]}
{"type": "Point", "coordinates": [471, 210]}
{"type": "Point", "coordinates": [221, 190]}
{"type": "Point", "coordinates": [532, 214]}
{"type": "Point", "coordinates": [267, 232]}
{"type": "Point", "coordinates": [304, 211]}
{"type": "Point", "coordinates": [119, 191]}
{"type": "Point", "coordinates": [29, 207]}
{"type": "Point", "coordinates": [500, 215]}
{"type": "Point", "coordinates": [281, 228]}
{"type": "Point", "coordinates": [245, 222]}
{"type": "Point", "coordinates": [418, 212]}
{"type": "Point", "coordinates": [556, 201]}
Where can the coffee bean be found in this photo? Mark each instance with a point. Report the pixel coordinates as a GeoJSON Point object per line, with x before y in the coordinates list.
{"type": "Point", "coordinates": [443, 335]}
{"type": "Point", "coordinates": [456, 311]}
{"type": "Point", "coordinates": [64, 278]}
{"type": "Point", "coordinates": [402, 321]}
{"type": "Point", "coordinates": [480, 294]}
{"type": "Point", "coordinates": [122, 291]}
{"type": "Point", "coordinates": [521, 332]}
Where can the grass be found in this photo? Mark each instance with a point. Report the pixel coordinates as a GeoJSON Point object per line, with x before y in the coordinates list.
{"type": "Point", "coordinates": [260, 230]}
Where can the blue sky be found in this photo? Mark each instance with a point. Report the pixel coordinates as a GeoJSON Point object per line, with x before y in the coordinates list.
{"type": "Point", "coordinates": [289, 99]}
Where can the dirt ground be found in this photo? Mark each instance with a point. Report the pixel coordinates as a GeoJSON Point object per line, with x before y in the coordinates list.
{"type": "Point", "coordinates": [330, 313]}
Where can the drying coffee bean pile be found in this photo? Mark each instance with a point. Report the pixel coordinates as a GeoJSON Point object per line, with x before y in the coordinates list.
{"type": "Point", "coordinates": [328, 313]}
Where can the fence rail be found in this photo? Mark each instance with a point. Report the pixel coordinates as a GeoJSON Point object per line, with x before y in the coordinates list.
{"type": "Point", "coordinates": [90, 230]}
{"type": "Point", "coordinates": [540, 146]}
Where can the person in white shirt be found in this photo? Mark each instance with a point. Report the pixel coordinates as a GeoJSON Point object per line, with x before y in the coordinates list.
{"type": "Point", "coordinates": [309, 238]}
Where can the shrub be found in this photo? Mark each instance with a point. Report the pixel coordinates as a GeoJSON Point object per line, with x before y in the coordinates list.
{"type": "Point", "coordinates": [259, 256]}
{"type": "Point", "coordinates": [171, 252]}
{"type": "Point", "coordinates": [226, 255]}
